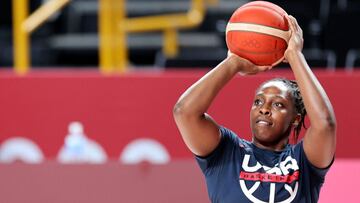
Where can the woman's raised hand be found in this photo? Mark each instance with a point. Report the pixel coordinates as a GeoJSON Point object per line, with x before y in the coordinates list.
{"type": "Point", "coordinates": [245, 67]}
{"type": "Point", "coordinates": [296, 41]}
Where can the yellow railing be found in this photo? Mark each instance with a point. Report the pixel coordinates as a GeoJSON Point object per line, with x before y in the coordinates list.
{"type": "Point", "coordinates": [113, 30]}
{"type": "Point", "coordinates": [24, 26]}
{"type": "Point", "coordinates": [112, 38]}
{"type": "Point", "coordinates": [114, 27]}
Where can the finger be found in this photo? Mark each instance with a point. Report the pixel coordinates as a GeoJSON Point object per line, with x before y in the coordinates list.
{"type": "Point", "coordinates": [287, 18]}
{"type": "Point", "coordinates": [300, 31]}
{"type": "Point", "coordinates": [294, 20]}
{"type": "Point", "coordinates": [294, 24]}
{"type": "Point", "coordinates": [291, 24]}
{"type": "Point", "coordinates": [270, 67]}
{"type": "Point", "coordinates": [297, 26]}
{"type": "Point", "coordinates": [264, 68]}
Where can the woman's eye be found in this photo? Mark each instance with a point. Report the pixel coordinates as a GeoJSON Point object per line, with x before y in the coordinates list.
{"type": "Point", "coordinates": [279, 105]}
{"type": "Point", "coordinates": [257, 102]}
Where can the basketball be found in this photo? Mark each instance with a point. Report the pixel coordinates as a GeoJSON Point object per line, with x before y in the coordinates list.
{"type": "Point", "coordinates": [258, 31]}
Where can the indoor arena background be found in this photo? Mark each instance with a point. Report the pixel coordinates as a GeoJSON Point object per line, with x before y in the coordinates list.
{"type": "Point", "coordinates": [87, 89]}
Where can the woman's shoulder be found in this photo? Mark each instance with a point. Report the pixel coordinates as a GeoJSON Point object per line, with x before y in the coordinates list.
{"type": "Point", "coordinates": [228, 135]}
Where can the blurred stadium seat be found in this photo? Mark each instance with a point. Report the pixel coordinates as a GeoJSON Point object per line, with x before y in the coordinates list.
{"type": "Point", "coordinates": [352, 59]}
{"type": "Point", "coordinates": [318, 58]}
{"type": "Point", "coordinates": [340, 34]}
{"type": "Point", "coordinates": [71, 38]}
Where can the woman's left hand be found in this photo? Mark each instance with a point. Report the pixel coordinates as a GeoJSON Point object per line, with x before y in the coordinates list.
{"type": "Point", "coordinates": [296, 41]}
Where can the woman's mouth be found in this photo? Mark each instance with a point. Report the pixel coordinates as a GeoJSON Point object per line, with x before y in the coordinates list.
{"type": "Point", "coordinates": [263, 122]}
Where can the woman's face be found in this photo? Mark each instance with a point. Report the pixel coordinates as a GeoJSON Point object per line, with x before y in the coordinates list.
{"type": "Point", "coordinates": [272, 113]}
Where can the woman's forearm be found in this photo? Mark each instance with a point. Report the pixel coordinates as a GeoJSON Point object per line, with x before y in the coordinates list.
{"type": "Point", "coordinates": [317, 103]}
{"type": "Point", "coordinates": [197, 99]}
{"type": "Point", "coordinates": [199, 131]}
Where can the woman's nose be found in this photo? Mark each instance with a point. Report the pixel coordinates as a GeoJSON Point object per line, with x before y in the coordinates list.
{"type": "Point", "coordinates": [265, 111]}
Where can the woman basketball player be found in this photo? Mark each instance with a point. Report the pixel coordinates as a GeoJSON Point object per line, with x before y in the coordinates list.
{"type": "Point", "coordinates": [267, 169]}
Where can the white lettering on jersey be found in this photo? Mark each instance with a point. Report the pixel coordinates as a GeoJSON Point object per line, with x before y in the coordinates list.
{"type": "Point", "coordinates": [251, 197]}
{"type": "Point", "coordinates": [248, 168]}
{"type": "Point", "coordinates": [281, 169]}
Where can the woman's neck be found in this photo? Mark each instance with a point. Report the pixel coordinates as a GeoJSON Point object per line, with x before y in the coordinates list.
{"type": "Point", "coordinates": [278, 146]}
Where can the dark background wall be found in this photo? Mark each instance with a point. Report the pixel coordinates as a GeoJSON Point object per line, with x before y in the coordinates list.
{"type": "Point", "coordinates": [70, 38]}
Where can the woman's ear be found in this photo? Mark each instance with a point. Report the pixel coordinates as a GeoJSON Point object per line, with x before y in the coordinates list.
{"type": "Point", "coordinates": [297, 120]}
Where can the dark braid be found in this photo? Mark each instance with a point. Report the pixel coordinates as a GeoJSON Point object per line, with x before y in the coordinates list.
{"type": "Point", "coordinates": [298, 102]}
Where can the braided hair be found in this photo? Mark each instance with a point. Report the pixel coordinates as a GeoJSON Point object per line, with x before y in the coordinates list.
{"type": "Point", "coordinates": [298, 102]}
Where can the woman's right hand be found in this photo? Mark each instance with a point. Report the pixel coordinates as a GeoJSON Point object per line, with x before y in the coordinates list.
{"type": "Point", "coordinates": [246, 67]}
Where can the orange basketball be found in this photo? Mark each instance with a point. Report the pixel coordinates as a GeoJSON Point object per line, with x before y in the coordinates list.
{"type": "Point", "coordinates": [258, 31]}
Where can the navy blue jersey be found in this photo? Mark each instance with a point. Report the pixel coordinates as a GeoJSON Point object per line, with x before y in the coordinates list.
{"type": "Point", "coordinates": [238, 171]}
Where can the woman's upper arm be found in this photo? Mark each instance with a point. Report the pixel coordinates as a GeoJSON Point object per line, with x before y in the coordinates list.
{"type": "Point", "coordinates": [319, 145]}
{"type": "Point", "coordinates": [201, 134]}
